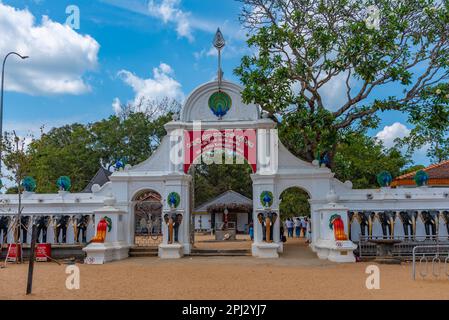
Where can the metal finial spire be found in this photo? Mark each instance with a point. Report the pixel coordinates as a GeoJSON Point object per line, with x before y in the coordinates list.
{"type": "Point", "coordinates": [219, 43]}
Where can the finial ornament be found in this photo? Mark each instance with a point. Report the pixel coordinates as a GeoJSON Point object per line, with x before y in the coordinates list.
{"type": "Point", "coordinates": [219, 43]}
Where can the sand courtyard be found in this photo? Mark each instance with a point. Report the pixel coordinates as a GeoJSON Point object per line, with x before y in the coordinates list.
{"type": "Point", "coordinates": [298, 274]}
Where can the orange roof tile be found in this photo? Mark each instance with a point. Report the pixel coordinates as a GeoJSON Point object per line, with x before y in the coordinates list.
{"type": "Point", "coordinates": [438, 175]}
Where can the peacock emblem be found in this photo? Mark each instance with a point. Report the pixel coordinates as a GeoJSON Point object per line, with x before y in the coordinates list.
{"type": "Point", "coordinates": [421, 178]}
{"type": "Point", "coordinates": [384, 179]}
{"type": "Point", "coordinates": [220, 103]}
{"type": "Point", "coordinates": [266, 199]}
{"type": "Point", "coordinates": [29, 184]}
{"type": "Point", "coordinates": [173, 200]}
{"type": "Point", "coordinates": [63, 183]}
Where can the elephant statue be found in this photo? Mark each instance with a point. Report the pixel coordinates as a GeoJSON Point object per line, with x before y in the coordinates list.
{"type": "Point", "coordinates": [267, 221]}
{"type": "Point", "coordinates": [445, 216]}
{"type": "Point", "coordinates": [430, 220]}
{"type": "Point", "coordinates": [4, 224]}
{"type": "Point", "coordinates": [408, 219]}
{"type": "Point", "coordinates": [365, 219]}
{"type": "Point", "coordinates": [23, 228]}
{"type": "Point", "coordinates": [61, 224]}
{"type": "Point", "coordinates": [42, 223]}
{"type": "Point", "coordinates": [173, 221]}
{"type": "Point", "coordinates": [80, 223]}
{"type": "Point", "coordinates": [386, 219]}
{"type": "Point", "coordinates": [351, 216]}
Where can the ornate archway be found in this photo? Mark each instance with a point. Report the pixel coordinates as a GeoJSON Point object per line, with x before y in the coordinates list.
{"type": "Point", "coordinates": [147, 218]}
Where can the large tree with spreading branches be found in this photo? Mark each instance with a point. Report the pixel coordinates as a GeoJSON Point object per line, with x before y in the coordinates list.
{"type": "Point", "coordinates": [302, 48]}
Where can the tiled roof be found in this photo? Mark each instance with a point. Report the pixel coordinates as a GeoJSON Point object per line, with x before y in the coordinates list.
{"type": "Point", "coordinates": [438, 175]}
{"type": "Point", "coordinates": [224, 198]}
{"type": "Point", "coordinates": [100, 178]}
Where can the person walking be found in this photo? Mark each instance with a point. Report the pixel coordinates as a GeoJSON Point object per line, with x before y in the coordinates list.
{"type": "Point", "coordinates": [304, 226]}
{"type": "Point", "coordinates": [290, 227]}
{"type": "Point", "coordinates": [251, 230]}
{"type": "Point", "coordinates": [309, 231]}
{"type": "Point", "coordinates": [297, 227]}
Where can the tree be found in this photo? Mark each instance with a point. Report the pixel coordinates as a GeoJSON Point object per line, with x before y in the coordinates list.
{"type": "Point", "coordinates": [134, 137]}
{"type": "Point", "coordinates": [302, 48]}
{"type": "Point", "coordinates": [215, 179]}
{"type": "Point", "coordinates": [17, 162]}
{"type": "Point", "coordinates": [431, 125]}
{"type": "Point", "coordinates": [64, 151]}
{"type": "Point", "coordinates": [360, 158]}
{"type": "Point", "coordinates": [294, 203]}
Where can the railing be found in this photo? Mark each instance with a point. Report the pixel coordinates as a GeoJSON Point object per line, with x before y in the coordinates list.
{"type": "Point", "coordinates": [439, 255]}
{"type": "Point", "coordinates": [404, 249]}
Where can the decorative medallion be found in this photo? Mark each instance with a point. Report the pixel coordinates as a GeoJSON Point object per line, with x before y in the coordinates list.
{"type": "Point", "coordinates": [120, 164]}
{"type": "Point", "coordinates": [173, 200]}
{"type": "Point", "coordinates": [29, 184]}
{"type": "Point", "coordinates": [421, 178]}
{"type": "Point", "coordinates": [220, 103]}
{"type": "Point", "coordinates": [337, 225]}
{"type": "Point", "coordinates": [266, 199]}
{"type": "Point", "coordinates": [64, 183]}
{"type": "Point", "coordinates": [384, 179]}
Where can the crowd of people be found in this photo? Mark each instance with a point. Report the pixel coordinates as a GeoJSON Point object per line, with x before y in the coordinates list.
{"type": "Point", "coordinates": [298, 227]}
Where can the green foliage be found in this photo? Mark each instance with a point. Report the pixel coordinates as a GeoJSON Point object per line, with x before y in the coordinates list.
{"type": "Point", "coordinates": [302, 48]}
{"type": "Point", "coordinates": [294, 203]}
{"type": "Point", "coordinates": [64, 151]}
{"type": "Point", "coordinates": [412, 169]}
{"type": "Point", "coordinates": [79, 150]}
{"type": "Point", "coordinates": [215, 179]}
{"type": "Point", "coordinates": [135, 137]}
{"type": "Point", "coordinates": [360, 158]}
{"type": "Point", "coordinates": [430, 118]}
{"type": "Point", "coordinates": [16, 159]}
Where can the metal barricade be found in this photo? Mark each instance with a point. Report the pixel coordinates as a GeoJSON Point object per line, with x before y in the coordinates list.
{"type": "Point", "coordinates": [434, 254]}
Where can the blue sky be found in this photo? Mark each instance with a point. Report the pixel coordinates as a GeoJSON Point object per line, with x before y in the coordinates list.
{"type": "Point", "coordinates": [123, 48]}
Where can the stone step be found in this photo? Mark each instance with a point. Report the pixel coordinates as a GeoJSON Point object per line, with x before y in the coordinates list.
{"type": "Point", "coordinates": [143, 249]}
{"type": "Point", "coordinates": [142, 254]}
{"type": "Point", "coordinates": [218, 252]}
{"type": "Point", "coordinates": [223, 254]}
{"type": "Point", "coordinates": [138, 252]}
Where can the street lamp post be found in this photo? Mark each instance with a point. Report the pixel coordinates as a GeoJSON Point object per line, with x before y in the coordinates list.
{"type": "Point", "coordinates": [1, 97]}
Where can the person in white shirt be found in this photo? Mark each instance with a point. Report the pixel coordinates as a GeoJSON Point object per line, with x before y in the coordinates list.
{"type": "Point", "coordinates": [304, 226]}
{"type": "Point", "coordinates": [297, 227]}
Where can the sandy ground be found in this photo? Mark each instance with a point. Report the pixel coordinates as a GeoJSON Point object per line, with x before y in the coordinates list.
{"type": "Point", "coordinates": [298, 274]}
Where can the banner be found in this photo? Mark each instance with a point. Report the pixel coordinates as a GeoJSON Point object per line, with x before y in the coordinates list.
{"type": "Point", "coordinates": [238, 142]}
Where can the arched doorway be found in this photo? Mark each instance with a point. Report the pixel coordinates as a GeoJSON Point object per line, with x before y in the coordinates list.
{"type": "Point", "coordinates": [221, 205]}
{"type": "Point", "coordinates": [295, 212]}
{"type": "Point", "coordinates": [147, 218]}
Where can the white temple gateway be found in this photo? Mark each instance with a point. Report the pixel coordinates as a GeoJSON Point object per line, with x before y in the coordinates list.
{"type": "Point", "coordinates": [215, 118]}
{"type": "Point", "coordinates": [163, 182]}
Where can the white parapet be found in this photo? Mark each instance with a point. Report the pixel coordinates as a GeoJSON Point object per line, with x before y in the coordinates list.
{"type": "Point", "coordinates": [265, 250]}
{"type": "Point", "coordinates": [326, 246]}
{"type": "Point", "coordinates": [100, 253]}
{"type": "Point", "coordinates": [336, 251]}
{"type": "Point", "coordinates": [171, 251]}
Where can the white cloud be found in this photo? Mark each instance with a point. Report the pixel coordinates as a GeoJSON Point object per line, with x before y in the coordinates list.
{"type": "Point", "coordinates": [169, 12]}
{"type": "Point", "coordinates": [162, 85]}
{"type": "Point", "coordinates": [117, 106]}
{"type": "Point", "coordinates": [59, 56]}
{"type": "Point", "coordinates": [389, 133]}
